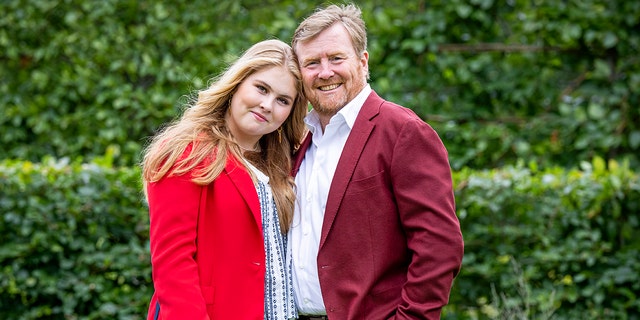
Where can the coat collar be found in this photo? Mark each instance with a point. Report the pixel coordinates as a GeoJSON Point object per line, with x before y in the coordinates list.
{"type": "Point", "coordinates": [349, 158]}
{"type": "Point", "coordinates": [240, 177]}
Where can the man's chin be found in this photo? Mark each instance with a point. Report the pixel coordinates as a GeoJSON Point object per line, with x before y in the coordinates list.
{"type": "Point", "coordinates": [327, 109]}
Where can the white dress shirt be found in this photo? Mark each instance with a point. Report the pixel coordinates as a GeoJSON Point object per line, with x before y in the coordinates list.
{"type": "Point", "coordinates": [313, 181]}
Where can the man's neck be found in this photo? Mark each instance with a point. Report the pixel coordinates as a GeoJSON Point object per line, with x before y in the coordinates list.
{"type": "Point", "coordinates": [325, 119]}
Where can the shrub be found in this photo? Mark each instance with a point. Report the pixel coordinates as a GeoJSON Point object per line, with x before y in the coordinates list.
{"type": "Point", "coordinates": [553, 241]}
{"type": "Point", "coordinates": [73, 242]}
{"type": "Point", "coordinates": [538, 242]}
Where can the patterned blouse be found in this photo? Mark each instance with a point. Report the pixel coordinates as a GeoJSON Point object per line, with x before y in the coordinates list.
{"type": "Point", "coordinates": [278, 284]}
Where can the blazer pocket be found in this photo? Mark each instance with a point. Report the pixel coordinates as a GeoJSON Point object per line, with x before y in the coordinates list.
{"type": "Point", "coordinates": [366, 184]}
{"type": "Point", "coordinates": [383, 301]}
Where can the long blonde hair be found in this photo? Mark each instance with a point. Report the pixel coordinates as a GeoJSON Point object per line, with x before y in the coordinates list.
{"type": "Point", "coordinates": [203, 129]}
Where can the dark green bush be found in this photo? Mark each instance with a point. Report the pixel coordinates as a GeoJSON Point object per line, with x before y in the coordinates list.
{"type": "Point", "coordinates": [73, 242]}
{"type": "Point", "coordinates": [549, 242]}
{"type": "Point", "coordinates": [546, 81]}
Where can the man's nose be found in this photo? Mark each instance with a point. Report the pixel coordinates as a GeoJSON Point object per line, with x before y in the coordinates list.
{"type": "Point", "coordinates": [325, 70]}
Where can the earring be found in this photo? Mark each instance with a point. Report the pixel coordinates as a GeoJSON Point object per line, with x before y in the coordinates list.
{"type": "Point", "coordinates": [280, 135]}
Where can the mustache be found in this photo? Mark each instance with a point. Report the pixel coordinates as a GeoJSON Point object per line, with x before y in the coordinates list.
{"type": "Point", "coordinates": [332, 80]}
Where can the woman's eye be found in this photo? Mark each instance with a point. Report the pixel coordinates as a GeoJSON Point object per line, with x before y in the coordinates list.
{"type": "Point", "coordinates": [284, 101]}
{"type": "Point", "coordinates": [261, 88]}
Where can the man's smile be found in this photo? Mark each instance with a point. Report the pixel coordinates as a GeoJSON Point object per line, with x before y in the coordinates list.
{"type": "Point", "coordinates": [329, 87]}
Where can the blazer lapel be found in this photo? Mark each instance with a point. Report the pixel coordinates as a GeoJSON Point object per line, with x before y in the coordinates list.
{"type": "Point", "coordinates": [299, 154]}
{"type": "Point", "coordinates": [351, 153]}
{"type": "Point", "coordinates": [242, 180]}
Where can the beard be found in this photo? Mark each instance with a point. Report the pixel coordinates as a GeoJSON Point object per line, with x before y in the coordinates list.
{"type": "Point", "coordinates": [330, 104]}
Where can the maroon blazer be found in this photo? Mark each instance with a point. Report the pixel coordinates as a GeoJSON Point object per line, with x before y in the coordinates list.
{"type": "Point", "coordinates": [391, 243]}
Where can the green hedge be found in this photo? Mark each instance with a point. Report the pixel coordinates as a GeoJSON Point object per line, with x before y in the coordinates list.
{"type": "Point", "coordinates": [554, 241]}
{"type": "Point", "coordinates": [73, 242]}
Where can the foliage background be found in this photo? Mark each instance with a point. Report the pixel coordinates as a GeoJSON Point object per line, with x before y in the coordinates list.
{"type": "Point", "coordinates": [553, 82]}
{"type": "Point", "coordinates": [546, 88]}
{"type": "Point", "coordinates": [538, 242]}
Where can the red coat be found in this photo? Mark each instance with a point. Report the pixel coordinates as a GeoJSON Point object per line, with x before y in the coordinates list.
{"type": "Point", "coordinates": [207, 249]}
{"type": "Point", "coordinates": [391, 243]}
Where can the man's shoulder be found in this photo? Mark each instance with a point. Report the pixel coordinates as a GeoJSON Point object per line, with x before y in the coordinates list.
{"type": "Point", "coordinates": [388, 108]}
{"type": "Point", "coordinates": [393, 117]}
{"type": "Point", "coordinates": [391, 111]}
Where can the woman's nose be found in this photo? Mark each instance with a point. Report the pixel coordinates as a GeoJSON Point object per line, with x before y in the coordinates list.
{"type": "Point", "coordinates": [267, 103]}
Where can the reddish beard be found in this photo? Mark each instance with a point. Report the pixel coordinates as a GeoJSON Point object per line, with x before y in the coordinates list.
{"type": "Point", "coordinates": [328, 105]}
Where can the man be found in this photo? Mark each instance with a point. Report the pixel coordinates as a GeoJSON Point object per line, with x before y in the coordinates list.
{"type": "Point", "coordinates": [375, 234]}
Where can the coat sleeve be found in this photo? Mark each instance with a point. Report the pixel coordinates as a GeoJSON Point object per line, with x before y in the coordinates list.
{"type": "Point", "coordinates": [421, 178]}
{"type": "Point", "coordinates": [173, 209]}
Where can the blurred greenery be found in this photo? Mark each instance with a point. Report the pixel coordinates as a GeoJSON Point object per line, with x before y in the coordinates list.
{"type": "Point", "coordinates": [554, 82]}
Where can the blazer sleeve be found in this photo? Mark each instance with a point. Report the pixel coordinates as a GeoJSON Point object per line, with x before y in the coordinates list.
{"type": "Point", "coordinates": [421, 178]}
{"type": "Point", "coordinates": [173, 209]}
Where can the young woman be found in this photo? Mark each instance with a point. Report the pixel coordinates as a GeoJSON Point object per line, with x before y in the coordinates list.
{"type": "Point", "coordinates": [220, 194]}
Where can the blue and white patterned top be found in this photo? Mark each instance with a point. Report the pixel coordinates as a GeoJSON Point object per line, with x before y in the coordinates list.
{"type": "Point", "coordinates": [279, 303]}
